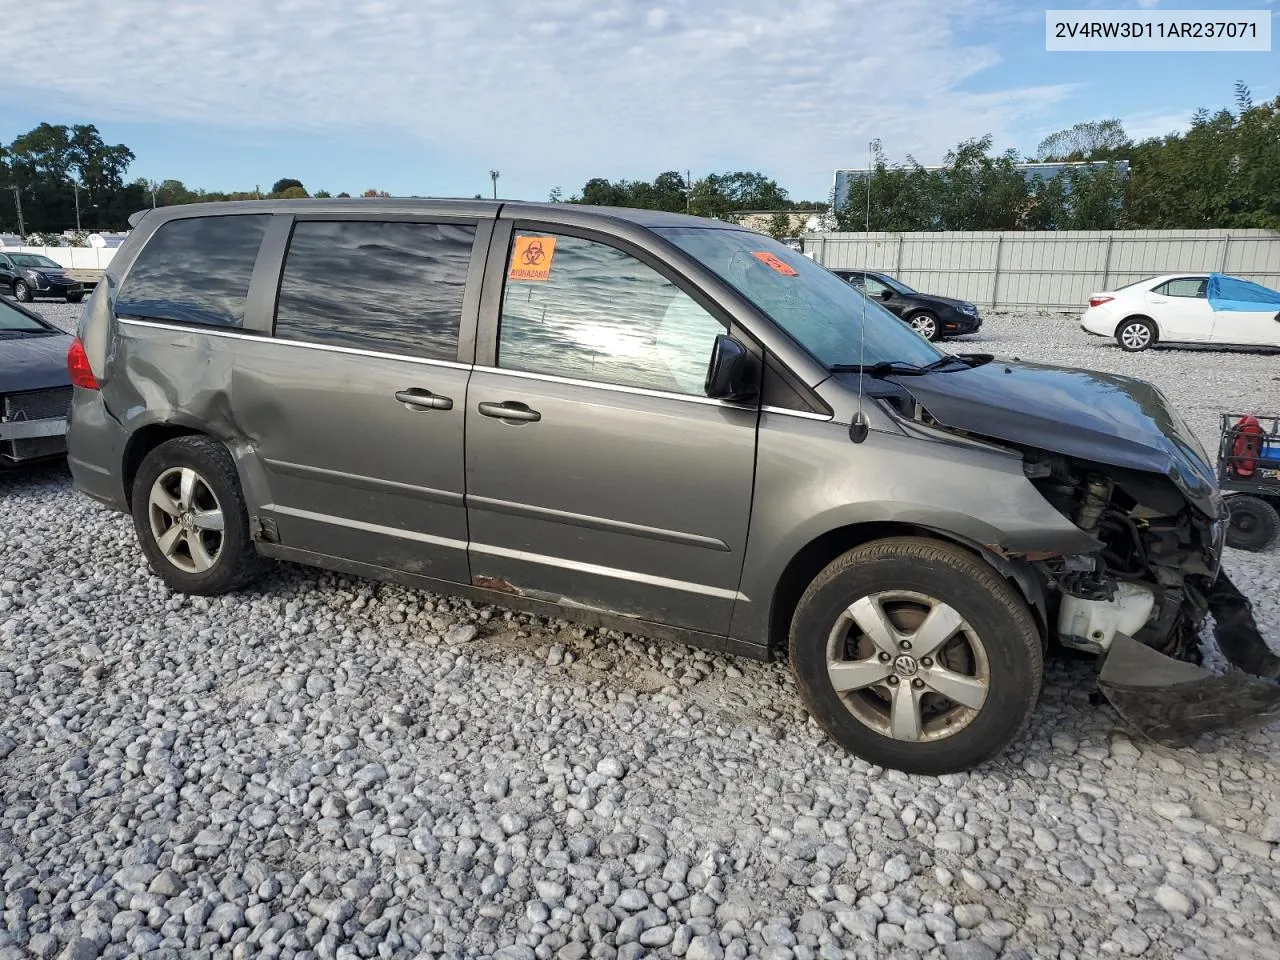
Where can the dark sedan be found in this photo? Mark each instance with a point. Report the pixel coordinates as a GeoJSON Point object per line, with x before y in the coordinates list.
{"type": "Point", "coordinates": [26, 276]}
{"type": "Point", "coordinates": [931, 316]}
{"type": "Point", "coordinates": [35, 388]}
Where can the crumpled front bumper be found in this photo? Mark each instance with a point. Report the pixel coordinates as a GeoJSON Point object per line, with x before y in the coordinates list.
{"type": "Point", "coordinates": [1173, 702]}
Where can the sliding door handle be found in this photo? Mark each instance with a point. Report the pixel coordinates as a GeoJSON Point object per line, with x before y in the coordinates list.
{"type": "Point", "coordinates": [509, 410]}
{"type": "Point", "coordinates": [420, 399]}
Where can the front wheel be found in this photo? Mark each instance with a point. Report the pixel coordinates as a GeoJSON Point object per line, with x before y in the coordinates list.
{"type": "Point", "coordinates": [916, 655]}
{"type": "Point", "coordinates": [927, 325]}
{"type": "Point", "coordinates": [190, 517]}
{"type": "Point", "coordinates": [22, 291]}
{"type": "Point", "coordinates": [1253, 524]}
{"type": "Point", "coordinates": [1136, 333]}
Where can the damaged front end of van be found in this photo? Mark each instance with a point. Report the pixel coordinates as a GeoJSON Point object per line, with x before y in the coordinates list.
{"type": "Point", "coordinates": [1111, 455]}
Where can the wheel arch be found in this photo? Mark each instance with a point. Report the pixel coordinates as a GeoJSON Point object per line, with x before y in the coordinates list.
{"type": "Point", "coordinates": [815, 555]}
{"type": "Point", "coordinates": [1155, 324]}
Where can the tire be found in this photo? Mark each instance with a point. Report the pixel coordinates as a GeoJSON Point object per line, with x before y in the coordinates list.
{"type": "Point", "coordinates": [993, 643]}
{"type": "Point", "coordinates": [197, 558]}
{"type": "Point", "coordinates": [926, 324]}
{"type": "Point", "coordinates": [22, 292]}
{"type": "Point", "coordinates": [1135, 334]}
{"type": "Point", "coordinates": [74, 297]}
{"type": "Point", "coordinates": [1254, 523]}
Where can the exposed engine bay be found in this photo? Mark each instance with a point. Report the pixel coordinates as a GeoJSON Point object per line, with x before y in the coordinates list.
{"type": "Point", "coordinates": [1141, 599]}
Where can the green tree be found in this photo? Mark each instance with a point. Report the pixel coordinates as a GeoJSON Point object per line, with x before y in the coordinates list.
{"type": "Point", "coordinates": [1092, 140]}
{"type": "Point", "coordinates": [280, 186]}
{"type": "Point", "coordinates": [779, 226]}
{"type": "Point", "coordinates": [322, 194]}
{"type": "Point", "coordinates": [292, 193]}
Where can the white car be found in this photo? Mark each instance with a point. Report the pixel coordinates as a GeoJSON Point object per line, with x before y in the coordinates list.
{"type": "Point", "coordinates": [1174, 309]}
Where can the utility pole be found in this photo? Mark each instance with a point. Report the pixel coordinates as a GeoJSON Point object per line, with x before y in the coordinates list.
{"type": "Point", "coordinates": [75, 184]}
{"type": "Point", "coordinates": [17, 201]}
{"type": "Point", "coordinates": [493, 175]}
{"type": "Point", "coordinates": [688, 190]}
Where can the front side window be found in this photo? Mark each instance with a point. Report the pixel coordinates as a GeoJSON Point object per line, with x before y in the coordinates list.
{"type": "Point", "coordinates": [874, 287]}
{"type": "Point", "coordinates": [195, 270]}
{"type": "Point", "coordinates": [811, 304]}
{"type": "Point", "coordinates": [390, 286]}
{"type": "Point", "coordinates": [581, 309]}
{"type": "Point", "coordinates": [1183, 287]}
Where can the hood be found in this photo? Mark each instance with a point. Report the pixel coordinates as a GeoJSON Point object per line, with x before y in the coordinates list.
{"type": "Point", "coordinates": [1085, 414]}
{"type": "Point", "coordinates": [944, 301]}
{"type": "Point", "coordinates": [34, 362]}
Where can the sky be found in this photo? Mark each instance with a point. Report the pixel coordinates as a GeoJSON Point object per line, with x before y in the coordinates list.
{"type": "Point", "coordinates": [425, 97]}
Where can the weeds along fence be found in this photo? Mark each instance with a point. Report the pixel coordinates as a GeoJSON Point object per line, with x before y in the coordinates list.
{"type": "Point", "coordinates": [1047, 270]}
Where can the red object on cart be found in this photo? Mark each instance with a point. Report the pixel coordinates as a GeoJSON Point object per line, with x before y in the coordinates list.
{"type": "Point", "coordinates": [1246, 447]}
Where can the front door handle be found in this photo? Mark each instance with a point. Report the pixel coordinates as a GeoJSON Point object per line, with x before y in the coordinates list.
{"type": "Point", "coordinates": [509, 410]}
{"type": "Point", "coordinates": [421, 399]}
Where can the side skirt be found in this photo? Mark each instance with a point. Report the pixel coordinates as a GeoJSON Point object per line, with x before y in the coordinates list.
{"type": "Point", "coordinates": [587, 616]}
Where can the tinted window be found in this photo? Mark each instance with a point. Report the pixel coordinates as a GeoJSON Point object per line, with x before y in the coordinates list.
{"type": "Point", "coordinates": [576, 308]}
{"type": "Point", "coordinates": [11, 318]}
{"type": "Point", "coordinates": [1183, 287]}
{"type": "Point", "coordinates": [390, 287]}
{"type": "Point", "coordinates": [195, 270]}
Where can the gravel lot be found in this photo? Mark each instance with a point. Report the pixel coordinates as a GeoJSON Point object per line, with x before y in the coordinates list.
{"type": "Point", "coordinates": [326, 767]}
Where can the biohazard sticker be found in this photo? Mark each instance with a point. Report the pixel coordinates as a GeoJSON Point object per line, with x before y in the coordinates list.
{"type": "Point", "coordinates": [531, 258]}
{"type": "Point", "coordinates": [769, 260]}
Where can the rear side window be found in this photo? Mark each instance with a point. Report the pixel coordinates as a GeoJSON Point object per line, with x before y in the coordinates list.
{"type": "Point", "coordinates": [393, 287]}
{"type": "Point", "coordinates": [195, 270]}
{"type": "Point", "coordinates": [1183, 287]}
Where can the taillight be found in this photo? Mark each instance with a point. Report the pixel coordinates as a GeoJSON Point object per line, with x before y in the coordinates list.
{"type": "Point", "coordinates": [78, 366]}
{"type": "Point", "coordinates": [1099, 301]}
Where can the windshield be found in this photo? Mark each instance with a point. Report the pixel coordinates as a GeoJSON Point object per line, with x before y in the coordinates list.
{"type": "Point", "coordinates": [897, 285]}
{"type": "Point", "coordinates": [31, 260]}
{"type": "Point", "coordinates": [821, 312]}
{"type": "Point", "coordinates": [12, 319]}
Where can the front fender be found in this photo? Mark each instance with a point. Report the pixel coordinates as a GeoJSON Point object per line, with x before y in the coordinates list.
{"type": "Point", "coordinates": [812, 481]}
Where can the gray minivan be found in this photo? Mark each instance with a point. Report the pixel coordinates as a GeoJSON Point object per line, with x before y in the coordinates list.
{"type": "Point", "coordinates": [646, 421]}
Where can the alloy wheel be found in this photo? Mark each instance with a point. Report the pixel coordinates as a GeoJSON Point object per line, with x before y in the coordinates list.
{"type": "Point", "coordinates": [924, 325]}
{"type": "Point", "coordinates": [1135, 336]}
{"type": "Point", "coordinates": [908, 666]}
{"type": "Point", "coordinates": [186, 520]}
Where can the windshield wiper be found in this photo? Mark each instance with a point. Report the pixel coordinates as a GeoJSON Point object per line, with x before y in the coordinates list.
{"type": "Point", "coordinates": [879, 369]}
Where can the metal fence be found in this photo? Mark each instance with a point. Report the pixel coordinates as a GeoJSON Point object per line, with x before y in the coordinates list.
{"type": "Point", "coordinates": [1048, 270]}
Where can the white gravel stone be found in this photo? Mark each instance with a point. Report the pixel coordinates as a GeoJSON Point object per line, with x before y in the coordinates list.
{"type": "Point", "coordinates": [330, 767]}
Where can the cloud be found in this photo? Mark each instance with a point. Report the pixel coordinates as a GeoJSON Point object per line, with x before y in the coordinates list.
{"type": "Point", "coordinates": [552, 88]}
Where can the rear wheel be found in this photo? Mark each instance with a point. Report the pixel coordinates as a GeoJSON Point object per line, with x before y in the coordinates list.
{"type": "Point", "coordinates": [191, 519]}
{"type": "Point", "coordinates": [1135, 333]}
{"type": "Point", "coordinates": [1254, 523]}
{"type": "Point", "coordinates": [22, 291]}
{"type": "Point", "coordinates": [926, 324]}
{"type": "Point", "coordinates": [74, 297]}
{"type": "Point", "coordinates": [914, 654]}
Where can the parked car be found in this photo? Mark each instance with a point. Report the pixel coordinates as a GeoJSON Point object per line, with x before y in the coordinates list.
{"type": "Point", "coordinates": [35, 390]}
{"type": "Point", "coordinates": [931, 316]}
{"type": "Point", "coordinates": [1175, 308]}
{"type": "Point", "coordinates": [647, 421]}
{"type": "Point", "coordinates": [31, 275]}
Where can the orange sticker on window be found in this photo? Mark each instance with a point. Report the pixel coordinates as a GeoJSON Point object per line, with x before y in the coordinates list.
{"type": "Point", "coordinates": [531, 258]}
{"type": "Point", "coordinates": [769, 260]}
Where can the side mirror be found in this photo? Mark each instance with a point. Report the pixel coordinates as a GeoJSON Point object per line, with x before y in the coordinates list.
{"type": "Point", "coordinates": [729, 372]}
{"type": "Point", "coordinates": [885, 294]}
